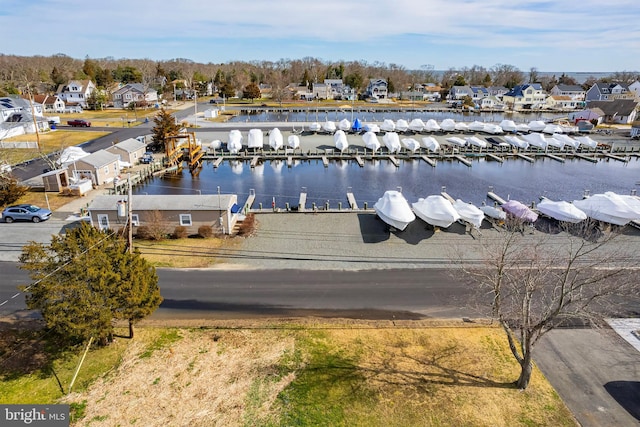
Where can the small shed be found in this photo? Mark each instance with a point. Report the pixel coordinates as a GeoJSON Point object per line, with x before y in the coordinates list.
{"type": "Point", "coordinates": [55, 180]}
{"type": "Point", "coordinates": [130, 150]}
{"type": "Point", "coordinates": [211, 113]}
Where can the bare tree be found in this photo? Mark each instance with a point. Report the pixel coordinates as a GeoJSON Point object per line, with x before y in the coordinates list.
{"type": "Point", "coordinates": [536, 282]}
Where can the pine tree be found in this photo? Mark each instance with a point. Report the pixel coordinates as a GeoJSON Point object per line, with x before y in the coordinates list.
{"type": "Point", "coordinates": [165, 125]}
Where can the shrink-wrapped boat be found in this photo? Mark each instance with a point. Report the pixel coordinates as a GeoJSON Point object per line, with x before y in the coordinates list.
{"type": "Point", "coordinates": [394, 209]}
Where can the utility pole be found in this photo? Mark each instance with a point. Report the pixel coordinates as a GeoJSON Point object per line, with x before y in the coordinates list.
{"type": "Point", "coordinates": [129, 215]}
{"type": "Point", "coordinates": [33, 116]}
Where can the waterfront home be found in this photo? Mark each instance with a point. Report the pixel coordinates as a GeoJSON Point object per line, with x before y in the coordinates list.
{"type": "Point", "coordinates": [378, 89]}
{"type": "Point", "coordinates": [130, 150]}
{"type": "Point", "coordinates": [575, 92]}
{"type": "Point", "coordinates": [219, 211]}
{"type": "Point", "coordinates": [101, 167]}
{"type": "Point", "coordinates": [525, 97]}
{"type": "Point", "coordinates": [623, 111]}
{"type": "Point", "coordinates": [635, 88]}
{"type": "Point", "coordinates": [476, 93]}
{"type": "Point", "coordinates": [562, 102]}
{"type": "Point", "coordinates": [608, 92]}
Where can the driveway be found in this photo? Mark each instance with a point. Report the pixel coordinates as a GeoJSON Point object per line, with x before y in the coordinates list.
{"type": "Point", "coordinates": [595, 372]}
{"type": "Point", "coordinates": [17, 234]}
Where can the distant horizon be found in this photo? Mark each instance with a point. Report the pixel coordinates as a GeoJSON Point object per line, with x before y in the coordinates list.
{"type": "Point", "coordinates": [441, 33]}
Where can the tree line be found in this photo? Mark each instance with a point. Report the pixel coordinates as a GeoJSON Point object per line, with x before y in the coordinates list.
{"type": "Point", "coordinates": [46, 73]}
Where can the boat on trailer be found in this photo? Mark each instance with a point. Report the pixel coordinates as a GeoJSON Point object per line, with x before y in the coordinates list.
{"type": "Point", "coordinates": [394, 210]}
{"type": "Point", "coordinates": [436, 210]}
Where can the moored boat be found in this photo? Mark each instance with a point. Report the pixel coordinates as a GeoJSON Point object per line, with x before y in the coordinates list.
{"type": "Point", "coordinates": [561, 211]}
{"type": "Point", "coordinates": [520, 211]}
{"type": "Point", "coordinates": [371, 141]}
{"type": "Point", "coordinates": [493, 212]}
{"type": "Point", "coordinates": [608, 207]}
{"type": "Point", "coordinates": [469, 213]}
{"type": "Point", "coordinates": [436, 210]}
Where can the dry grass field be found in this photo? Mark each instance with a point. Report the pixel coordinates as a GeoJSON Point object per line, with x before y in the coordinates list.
{"type": "Point", "coordinates": [301, 372]}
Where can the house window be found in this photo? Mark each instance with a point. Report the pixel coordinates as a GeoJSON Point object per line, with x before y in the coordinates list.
{"type": "Point", "coordinates": [135, 220]}
{"type": "Point", "coordinates": [185, 219]}
{"type": "Point", "coordinates": [103, 221]}
{"type": "Point", "coordinates": [106, 169]}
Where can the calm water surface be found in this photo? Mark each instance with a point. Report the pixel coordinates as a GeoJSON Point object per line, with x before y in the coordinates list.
{"type": "Point", "coordinates": [515, 179]}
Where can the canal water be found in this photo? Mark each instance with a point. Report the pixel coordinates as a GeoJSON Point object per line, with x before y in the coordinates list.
{"type": "Point", "coordinates": [514, 179]}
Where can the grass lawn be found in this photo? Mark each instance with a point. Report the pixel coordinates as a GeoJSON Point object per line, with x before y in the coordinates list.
{"type": "Point", "coordinates": [185, 253]}
{"type": "Point", "coordinates": [302, 373]}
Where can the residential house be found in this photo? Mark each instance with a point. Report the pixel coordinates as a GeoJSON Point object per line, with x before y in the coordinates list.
{"type": "Point", "coordinates": [431, 92]}
{"type": "Point", "coordinates": [134, 93]}
{"type": "Point", "coordinates": [76, 92]}
{"type": "Point", "coordinates": [101, 167]}
{"type": "Point", "coordinates": [377, 88]}
{"type": "Point", "coordinates": [17, 116]}
{"type": "Point", "coordinates": [476, 93]}
{"type": "Point", "coordinates": [130, 150]}
{"type": "Point", "coordinates": [497, 91]}
{"type": "Point", "coordinates": [525, 97]}
{"type": "Point", "coordinates": [622, 111]}
{"type": "Point", "coordinates": [301, 92]}
{"type": "Point", "coordinates": [51, 103]}
{"type": "Point", "coordinates": [635, 88]}
{"type": "Point", "coordinates": [266, 91]}
{"type": "Point", "coordinates": [590, 115]}
{"type": "Point", "coordinates": [608, 92]}
{"type": "Point", "coordinates": [490, 103]}
{"type": "Point", "coordinates": [191, 211]}
{"type": "Point", "coordinates": [562, 102]}
{"type": "Point", "coordinates": [339, 90]}
{"type": "Point", "coordinates": [575, 92]}
{"type": "Point", "coordinates": [321, 91]}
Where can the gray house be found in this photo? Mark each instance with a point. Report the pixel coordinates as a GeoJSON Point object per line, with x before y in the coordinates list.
{"type": "Point", "coordinates": [130, 150]}
{"type": "Point", "coordinates": [101, 167]}
{"type": "Point", "coordinates": [169, 211]}
{"type": "Point", "coordinates": [622, 111]}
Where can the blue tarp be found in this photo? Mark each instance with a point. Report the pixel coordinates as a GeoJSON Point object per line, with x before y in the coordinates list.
{"type": "Point", "coordinates": [235, 208]}
{"type": "Point", "coordinates": [357, 126]}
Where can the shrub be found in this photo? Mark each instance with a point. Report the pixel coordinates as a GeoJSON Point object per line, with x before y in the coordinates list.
{"type": "Point", "coordinates": [205, 231]}
{"type": "Point", "coordinates": [180, 232]}
{"type": "Point", "coordinates": [248, 226]}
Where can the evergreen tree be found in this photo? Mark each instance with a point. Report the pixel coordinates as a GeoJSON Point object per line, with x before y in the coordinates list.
{"type": "Point", "coordinates": [165, 125]}
{"type": "Point", "coordinates": [85, 280]}
{"type": "Point", "coordinates": [251, 91]}
{"type": "Point", "coordinates": [10, 189]}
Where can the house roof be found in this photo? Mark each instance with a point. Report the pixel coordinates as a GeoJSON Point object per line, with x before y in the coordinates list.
{"type": "Point", "coordinates": [182, 203]}
{"type": "Point", "coordinates": [99, 158]}
{"type": "Point", "coordinates": [518, 90]}
{"type": "Point", "coordinates": [619, 107]}
{"type": "Point", "coordinates": [569, 88]}
{"type": "Point", "coordinates": [561, 97]}
{"type": "Point", "coordinates": [130, 145]}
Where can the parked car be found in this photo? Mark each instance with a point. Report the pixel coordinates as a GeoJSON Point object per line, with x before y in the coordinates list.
{"type": "Point", "coordinates": [79, 123]}
{"type": "Point", "coordinates": [25, 213]}
{"type": "Point", "coordinates": [147, 158]}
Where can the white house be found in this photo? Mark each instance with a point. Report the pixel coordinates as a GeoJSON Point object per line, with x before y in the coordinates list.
{"type": "Point", "coordinates": [562, 102]}
{"type": "Point", "coordinates": [525, 97]}
{"type": "Point", "coordinates": [134, 93]}
{"type": "Point", "coordinates": [321, 91]}
{"type": "Point", "coordinates": [377, 88]}
{"type": "Point", "coordinates": [622, 111]}
{"type": "Point", "coordinates": [76, 92]}
{"type": "Point", "coordinates": [635, 88]}
{"type": "Point", "coordinates": [575, 92]}
{"type": "Point", "coordinates": [17, 116]}
{"type": "Point", "coordinates": [51, 103]}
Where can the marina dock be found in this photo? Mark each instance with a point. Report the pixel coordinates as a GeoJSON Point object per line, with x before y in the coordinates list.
{"type": "Point", "coordinates": [527, 158]}
{"type": "Point", "coordinates": [493, 196]}
{"type": "Point", "coordinates": [352, 200]}
{"type": "Point", "coordinates": [462, 160]}
{"type": "Point", "coordinates": [554, 157]}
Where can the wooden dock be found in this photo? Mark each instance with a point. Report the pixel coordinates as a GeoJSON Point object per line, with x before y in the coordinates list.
{"type": "Point", "coordinates": [393, 160]}
{"type": "Point", "coordinates": [462, 160]}
{"type": "Point", "coordinates": [325, 161]}
{"type": "Point", "coordinates": [429, 161]}
{"type": "Point", "coordinates": [359, 161]}
{"type": "Point", "coordinates": [352, 200]}
{"type": "Point", "coordinates": [494, 157]}
{"type": "Point", "coordinates": [554, 157]}
{"type": "Point", "coordinates": [447, 196]}
{"type": "Point", "coordinates": [254, 161]}
{"type": "Point", "coordinates": [587, 158]}
{"type": "Point", "coordinates": [527, 158]}
{"type": "Point", "coordinates": [618, 158]}
{"type": "Point", "coordinates": [289, 161]}
{"type": "Point", "coordinates": [249, 202]}
{"type": "Point", "coordinates": [495, 197]}
{"type": "Point", "coordinates": [217, 161]}
{"type": "Point", "coordinates": [302, 202]}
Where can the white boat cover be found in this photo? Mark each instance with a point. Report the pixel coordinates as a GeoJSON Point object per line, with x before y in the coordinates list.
{"type": "Point", "coordinates": [476, 126]}
{"type": "Point", "coordinates": [456, 141]}
{"type": "Point", "coordinates": [493, 129]}
{"type": "Point", "coordinates": [508, 125]}
{"type": "Point", "coordinates": [340, 140]}
{"type": "Point", "coordinates": [315, 127]}
{"type": "Point", "coordinates": [344, 125]}
{"type": "Point", "coordinates": [388, 125]}
{"type": "Point", "coordinates": [535, 139]}
{"type": "Point", "coordinates": [554, 142]}
{"type": "Point", "coordinates": [436, 210]}
{"type": "Point", "coordinates": [410, 144]}
{"type": "Point", "coordinates": [430, 143]}
{"type": "Point", "coordinates": [566, 139]}
{"type": "Point", "coordinates": [493, 212]}
{"type": "Point", "coordinates": [276, 141]}
{"type": "Point", "coordinates": [391, 140]}
{"type": "Point", "coordinates": [608, 207]}
{"type": "Point", "coordinates": [70, 155]}
{"type": "Point", "coordinates": [235, 141]}
{"type": "Point", "coordinates": [215, 144]}
{"type": "Point", "coordinates": [469, 213]}
{"type": "Point", "coordinates": [520, 211]}
{"type": "Point", "coordinates": [255, 139]}
{"type": "Point", "coordinates": [416, 125]}
{"type": "Point", "coordinates": [516, 142]}
{"type": "Point", "coordinates": [371, 127]}
{"type": "Point", "coordinates": [551, 129]}
{"type": "Point", "coordinates": [371, 141]}
{"type": "Point", "coordinates": [448, 125]}
{"type": "Point", "coordinates": [586, 141]}
{"type": "Point", "coordinates": [329, 126]}
{"type": "Point", "coordinates": [634, 203]}
{"type": "Point", "coordinates": [432, 126]}
{"type": "Point", "coordinates": [562, 211]}
{"type": "Point", "coordinates": [402, 125]}
{"type": "Point", "coordinates": [475, 141]}
{"type": "Point", "coordinates": [462, 127]}
{"type": "Point", "coordinates": [523, 127]}
{"type": "Point", "coordinates": [394, 209]}
{"type": "Point", "coordinates": [293, 141]}
{"type": "Point", "coordinates": [537, 125]}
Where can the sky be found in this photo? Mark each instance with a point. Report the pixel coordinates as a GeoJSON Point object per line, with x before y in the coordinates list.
{"type": "Point", "coordinates": [560, 35]}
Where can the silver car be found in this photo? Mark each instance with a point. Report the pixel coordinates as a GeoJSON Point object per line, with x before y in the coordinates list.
{"type": "Point", "coordinates": [25, 213]}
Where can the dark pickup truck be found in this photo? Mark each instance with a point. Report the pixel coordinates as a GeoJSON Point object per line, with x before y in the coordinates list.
{"type": "Point", "coordinates": [79, 123]}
